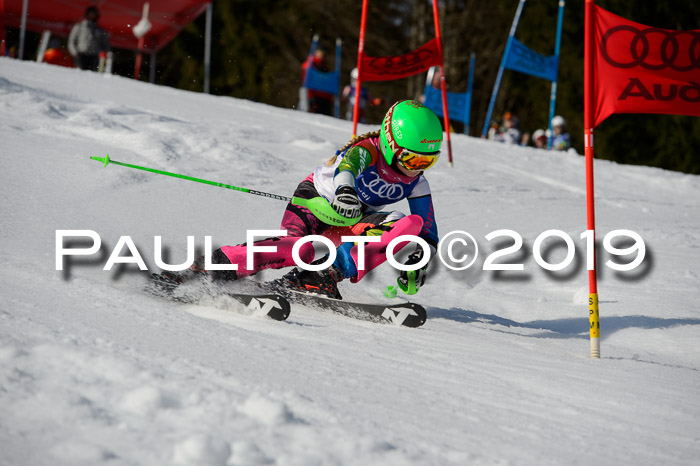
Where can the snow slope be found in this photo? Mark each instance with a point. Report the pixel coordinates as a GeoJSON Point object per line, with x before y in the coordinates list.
{"type": "Point", "coordinates": [94, 371]}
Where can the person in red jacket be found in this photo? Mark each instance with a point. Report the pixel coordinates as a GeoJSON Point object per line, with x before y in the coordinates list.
{"type": "Point", "coordinates": [319, 101]}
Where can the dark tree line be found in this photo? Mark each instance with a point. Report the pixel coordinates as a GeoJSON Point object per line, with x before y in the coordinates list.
{"type": "Point", "coordinates": [258, 47]}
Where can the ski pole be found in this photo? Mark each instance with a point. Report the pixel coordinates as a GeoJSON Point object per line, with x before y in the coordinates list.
{"type": "Point", "coordinates": [319, 206]}
{"type": "Point", "coordinates": [106, 160]}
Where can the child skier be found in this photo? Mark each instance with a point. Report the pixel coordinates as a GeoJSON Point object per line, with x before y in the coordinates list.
{"type": "Point", "coordinates": [561, 139]}
{"type": "Point", "coordinates": [372, 171]}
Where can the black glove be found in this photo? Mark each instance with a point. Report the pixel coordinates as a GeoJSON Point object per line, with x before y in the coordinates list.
{"type": "Point", "coordinates": [411, 281]}
{"type": "Point", "coordinates": [346, 202]}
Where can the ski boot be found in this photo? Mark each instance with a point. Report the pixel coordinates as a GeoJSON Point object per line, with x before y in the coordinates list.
{"type": "Point", "coordinates": [323, 282]}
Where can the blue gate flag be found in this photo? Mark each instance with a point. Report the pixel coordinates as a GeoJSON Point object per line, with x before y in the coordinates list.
{"type": "Point", "coordinates": [525, 60]}
{"type": "Point", "coordinates": [320, 81]}
{"type": "Point", "coordinates": [459, 103]}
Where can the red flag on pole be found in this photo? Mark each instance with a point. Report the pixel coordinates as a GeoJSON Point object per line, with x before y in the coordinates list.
{"type": "Point", "coordinates": [641, 69]}
{"type": "Point", "coordinates": [402, 66]}
{"type": "Point", "coordinates": [631, 68]}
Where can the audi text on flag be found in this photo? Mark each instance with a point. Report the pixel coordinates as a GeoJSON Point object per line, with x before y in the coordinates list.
{"type": "Point", "coordinates": [641, 69]}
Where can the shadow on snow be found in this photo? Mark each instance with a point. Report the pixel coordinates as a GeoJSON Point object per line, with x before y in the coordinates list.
{"type": "Point", "coordinates": [576, 327]}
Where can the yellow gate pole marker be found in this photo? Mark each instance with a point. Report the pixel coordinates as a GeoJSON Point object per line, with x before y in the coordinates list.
{"type": "Point", "coordinates": [594, 319]}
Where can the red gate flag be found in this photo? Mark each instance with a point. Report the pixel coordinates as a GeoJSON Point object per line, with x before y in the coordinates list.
{"type": "Point", "coordinates": [641, 69]}
{"type": "Point", "coordinates": [396, 67]}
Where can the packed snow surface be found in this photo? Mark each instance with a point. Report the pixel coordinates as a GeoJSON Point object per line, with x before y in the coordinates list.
{"type": "Point", "coordinates": [95, 371]}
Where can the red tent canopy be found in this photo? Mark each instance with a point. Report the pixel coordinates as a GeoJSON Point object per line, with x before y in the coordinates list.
{"type": "Point", "coordinates": [117, 17]}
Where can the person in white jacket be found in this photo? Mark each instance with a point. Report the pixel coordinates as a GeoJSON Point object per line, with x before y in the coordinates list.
{"type": "Point", "coordinates": [509, 132]}
{"type": "Point", "coordinates": [87, 40]}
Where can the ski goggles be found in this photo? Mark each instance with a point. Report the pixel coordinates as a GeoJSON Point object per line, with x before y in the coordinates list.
{"type": "Point", "coordinates": [415, 161]}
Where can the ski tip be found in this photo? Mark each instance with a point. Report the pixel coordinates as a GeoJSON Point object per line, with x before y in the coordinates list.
{"type": "Point", "coordinates": [408, 315]}
{"type": "Point", "coordinates": [419, 319]}
{"type": "Point", "coordinates": [281, 312]}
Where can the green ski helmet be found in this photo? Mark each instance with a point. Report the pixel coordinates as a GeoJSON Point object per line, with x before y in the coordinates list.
{"type": "Point", "coordinates": [412, 134]}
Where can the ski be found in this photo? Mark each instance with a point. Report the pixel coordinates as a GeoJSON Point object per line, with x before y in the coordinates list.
{"type": "Point", "coordinates": [274, 301]}
{"type": "Point", "coordinates": [270, 304]}
{"type": "Point", "coordinates": [406, 314]}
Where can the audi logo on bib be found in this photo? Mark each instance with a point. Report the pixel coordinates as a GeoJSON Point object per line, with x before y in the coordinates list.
{"type": "Point", "coordinates": [642, 69]}
{"type": "Point", "coordinates": [372, 183]}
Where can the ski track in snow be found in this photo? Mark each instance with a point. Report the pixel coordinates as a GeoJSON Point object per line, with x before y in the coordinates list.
{"type": "Point", "coordinates": [94, 371]}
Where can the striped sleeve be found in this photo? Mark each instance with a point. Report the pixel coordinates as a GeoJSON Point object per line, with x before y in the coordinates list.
{"type": "Point", "coordinates": [355, 161]}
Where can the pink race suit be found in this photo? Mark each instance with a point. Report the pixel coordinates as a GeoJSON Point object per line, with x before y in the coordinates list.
{"type": "Point", "coordinates": [299, 222]}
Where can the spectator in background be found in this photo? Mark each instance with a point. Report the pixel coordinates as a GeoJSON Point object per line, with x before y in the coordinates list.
{"type": "Point", "coordinates": [539, 138]}
{"type": "Point", "coordinates": [319, 102]}
{"type": "Point", "coordinates": [56, 55]}
{"type": "Point", "coordinates": [560, 138]}
{"type": "Point", "coordinates": [509, 132]}
{"type": "Point", "coordinates": [434, 83]}
{"type": "Point", "coordinates": [87, 41]}
{"type": "Point", "coordinates": [435, 80]}
{"type": "Point", "coordinates": [365, 98]}
{"type": "Point", "coordinates": [493, 131]}
{"type": "Point", "coordinates": [525, 140]}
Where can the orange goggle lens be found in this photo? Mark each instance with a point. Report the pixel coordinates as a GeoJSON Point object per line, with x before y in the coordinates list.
{"type": "Point", "coordinates": [414, 161]}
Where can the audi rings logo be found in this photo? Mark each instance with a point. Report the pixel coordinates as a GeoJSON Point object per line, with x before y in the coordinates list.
{"type": "Point", "coordinates": [381, 188]}
{"type": "Point", "coordinates": [652, 48]}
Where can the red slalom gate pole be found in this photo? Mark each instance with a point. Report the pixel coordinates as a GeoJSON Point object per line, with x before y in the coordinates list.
{"type": "Point", "coordinates": [360, 54]}
{"type": "Point", "coordinates": [445, 111]}
{"type": "Point", "coordinates": [137, 64]}
{"type": "Point", "coordinates": [2, 28]}
{"type": "Point", "coordinates": [588, 106]}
